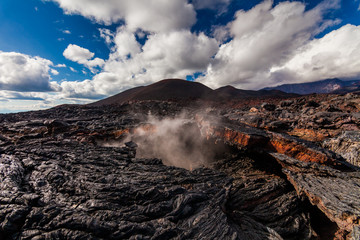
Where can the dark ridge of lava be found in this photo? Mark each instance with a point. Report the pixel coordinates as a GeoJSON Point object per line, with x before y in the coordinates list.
{"type": "Point", "coordinates": [182, 90]}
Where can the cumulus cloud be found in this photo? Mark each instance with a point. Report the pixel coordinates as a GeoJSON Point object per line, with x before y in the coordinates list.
{"type": "Point", "coordinates": [260, 47]}
{"type": "Point", "coordinates": [334, 55]}
{"type": "Point", "coordinates": [83, 89]}
{"type": "Point", "coordinates": [77, 54]}
{"type": "Point", "coordinates": [164, 55]}
{"type": "Point", "coordinates": [82, 56]}
{"type": "Point", "coordinates": [149, 15]}
{"type": "Point", "coordinates": [21, 72]}
{"type": "Point", "coordinates": [264, 37]}
{"type": "Point", "coordinates": [66, 32]}
{"type": "Point", "coordinates": [107, 35]}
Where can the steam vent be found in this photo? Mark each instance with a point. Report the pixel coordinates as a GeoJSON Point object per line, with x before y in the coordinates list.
{"type": "Point", "coordinates": [144, 165]}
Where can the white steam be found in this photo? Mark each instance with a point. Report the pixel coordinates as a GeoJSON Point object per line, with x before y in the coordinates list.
{"type": "Point", "coordinates": [177, 141]}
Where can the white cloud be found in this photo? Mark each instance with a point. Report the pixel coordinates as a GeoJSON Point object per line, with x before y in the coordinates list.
{"type": "Point", "coordinates": [54, 72]}
{"type": "Point", "coordinates": [83, 56]}
{"type": "Point", "coordinates": [149, 15]}
{"type": "Point", "coordinates": [21, 72]}
{"type": "Point", "coordinates": [180, 51]}
{"type": "Point", "coordinates": [264, 37]}
{"type": "Point", "coordinates": [265, 45]}
{"type": "Point", "coordinates": [164, 55]}
{"type": "Point", "coordinates": [336, 55]}
{"type": "Point", "coordinates": [73, 70]}
{"type": "Point", "coordinates": [83, 89]}
{"type": "Point", "coordinates": [77, 54]}
{"type": "Point", "coordinates": [66, 32]}
{"type": "Point", "coordinates": [60, 65]}
{"type": "Point", "coordinates": [107, 35]}
{"type": "Point", "coordinates": [125, 43]}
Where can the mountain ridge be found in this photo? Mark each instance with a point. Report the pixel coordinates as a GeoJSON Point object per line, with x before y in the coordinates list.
{"type": "Point", "coordinates": [179, 89]}
{"type": "Point", "coordinates": [333, 85]}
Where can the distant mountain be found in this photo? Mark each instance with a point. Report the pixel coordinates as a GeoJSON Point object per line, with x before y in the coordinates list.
{"type": "Point", "coordinates": [177, 89]}
{"type": "Point", "coordinates": [230, 92]}
{"type": "Point", "coordinates": [324, 86]}
{"type": "Point", "coordinates": [354, 87]}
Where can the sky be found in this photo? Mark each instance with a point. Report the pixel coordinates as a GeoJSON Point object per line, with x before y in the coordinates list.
{"type": "Point", "coordinates": [74, 52]}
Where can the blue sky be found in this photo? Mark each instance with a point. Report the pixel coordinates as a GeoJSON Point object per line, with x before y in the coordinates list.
{"type": "Point", "coordinates": [65, 51]}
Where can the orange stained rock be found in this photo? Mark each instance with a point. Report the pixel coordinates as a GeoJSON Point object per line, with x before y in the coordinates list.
{"type": "Point", "coordinates": [238, 138]}
{"type": "Point", "coordinates": [299, 152]}
{"type": "Point", "coordinates": [276, 143]}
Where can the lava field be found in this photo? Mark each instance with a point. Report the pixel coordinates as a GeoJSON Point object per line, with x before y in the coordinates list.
{"type": "Point", "coordinates": [280, 169]}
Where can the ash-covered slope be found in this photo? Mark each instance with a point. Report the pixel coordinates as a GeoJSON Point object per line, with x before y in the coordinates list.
{"type": "Point", "coordinates": [168, 89]}
{"type": "Point", "coordinates": [182, 90]}
{"type": "Point", "coordinates": [324, 86]}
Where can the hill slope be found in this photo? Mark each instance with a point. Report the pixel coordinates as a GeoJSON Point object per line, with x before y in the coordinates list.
{"type": "Point", "coordinates": [168, 89]}
{"type": "Point", "coordinates": [177, 89]}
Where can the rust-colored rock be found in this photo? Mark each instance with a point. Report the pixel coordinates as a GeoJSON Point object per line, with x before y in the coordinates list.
{"type": "Point", "coordinates": [244, 136]}
{"type": "Point", "coordinates": [303, 151]}
{"type": "Point", "coordinates": [238, 138]}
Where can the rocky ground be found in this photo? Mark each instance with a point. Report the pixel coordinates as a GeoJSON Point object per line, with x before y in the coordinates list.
{"type": "Point", "coordinates": [280, 169]}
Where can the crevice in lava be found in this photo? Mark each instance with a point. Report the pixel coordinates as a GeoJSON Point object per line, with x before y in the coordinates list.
{"type": "Point", "coordinates": [265, 162]}
{"type": "Point", "coordinates": [323, 227]}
